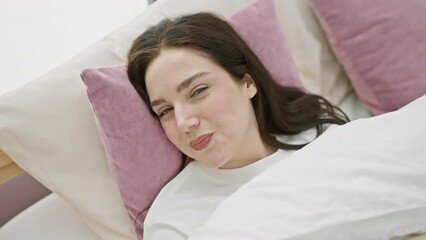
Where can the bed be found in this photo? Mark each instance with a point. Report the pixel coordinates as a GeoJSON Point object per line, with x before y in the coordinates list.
{"type": "Point", "coordinates": [52, 130]}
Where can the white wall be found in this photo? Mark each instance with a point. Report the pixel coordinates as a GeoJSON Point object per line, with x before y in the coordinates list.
{"type": "Point", "coordinates": [36, 36]}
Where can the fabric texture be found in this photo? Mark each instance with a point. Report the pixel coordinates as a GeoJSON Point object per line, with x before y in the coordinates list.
{"type": "Point", "coordinates": [141, 158]}
{"type": "Point", "coordinates": [50, 218]}
{"type": "Point", "coordinates": [267, 41]}
{"type": "Point", "coordinates": [382, 47]}
{"type": "Point", "coordinates": [317, 66]}
{"type": "Point", "coordinates": [365, 180]}
{"type": "Point", "coordinates": [187, 201]}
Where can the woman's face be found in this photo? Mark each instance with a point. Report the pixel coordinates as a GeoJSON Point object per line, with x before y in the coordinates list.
{"type": "Point", "coordinates": [206, 113]}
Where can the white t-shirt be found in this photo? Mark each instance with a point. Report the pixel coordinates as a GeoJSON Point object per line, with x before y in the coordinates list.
{"type": "Point", "coordinates": [187, 201]}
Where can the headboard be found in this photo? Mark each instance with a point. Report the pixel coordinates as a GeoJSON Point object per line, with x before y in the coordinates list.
{"type": "Point", "coordinates": [8, 168]}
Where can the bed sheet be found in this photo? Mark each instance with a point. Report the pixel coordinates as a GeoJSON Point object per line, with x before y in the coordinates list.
{"type": "Point", "coordinates": [353, 107]}
{"type": "Point", "coordinates": [37, 36]}
{"type": "Point", "coordinates": [358, 187]}
{"type": "Point", "coordinates": [50, 218]}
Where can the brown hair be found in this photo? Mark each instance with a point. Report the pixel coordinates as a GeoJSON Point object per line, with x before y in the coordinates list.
{"type": "Point", "coordinates": [279, 110]}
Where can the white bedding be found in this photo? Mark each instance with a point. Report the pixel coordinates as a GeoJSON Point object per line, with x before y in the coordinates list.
{"type": "Point", "coordinates": [52, 218]}
{"type": "Point", "coordinates": [354, 108]}
{"type": "Point", "coordinates": [49, 219]}
{"type": "Point", "coordinates": [365, 180]}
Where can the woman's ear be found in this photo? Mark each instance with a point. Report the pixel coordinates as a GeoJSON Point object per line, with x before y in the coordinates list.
{"type": "Point", "coordinates": [250, 85]}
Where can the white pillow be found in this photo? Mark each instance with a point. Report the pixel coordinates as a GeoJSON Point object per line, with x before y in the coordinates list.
{"type": "Point", "coordinates": [318, 68]}
{"type": "Point", "coordinates": [364, 180]}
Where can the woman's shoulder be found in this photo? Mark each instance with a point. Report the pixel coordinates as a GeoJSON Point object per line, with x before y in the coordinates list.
{"type": "Point", "coordinates": [184, 176]}
{"type": "Point", "coordinates": [169, 193]}
{"type": "Point", "coordinates": [303, 137]}
{"type": "Point", "coordinates": [190, 190]}
{"type": "Point", "coordinates": [300, 138]}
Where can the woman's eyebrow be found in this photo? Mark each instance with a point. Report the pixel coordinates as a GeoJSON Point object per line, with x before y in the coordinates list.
{"type": "Point", "coordinates": [157, 102]}
{"type": "Point", "coordinates": [183, 85]}
{"type": "Point", "coordinates": [189, 80]}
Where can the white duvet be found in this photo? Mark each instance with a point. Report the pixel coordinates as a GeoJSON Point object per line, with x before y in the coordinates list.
{"type": "Point", "coordinates": [364, 180]}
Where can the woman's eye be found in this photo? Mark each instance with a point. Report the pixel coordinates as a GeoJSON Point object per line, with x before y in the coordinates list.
{"type": "Point", "coordinates": [198, 91]}
{"type": "Point", "coordinates": [164, 112]}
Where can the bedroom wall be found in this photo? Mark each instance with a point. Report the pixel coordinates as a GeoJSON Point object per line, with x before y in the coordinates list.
{"type": "Point", "coordinates": [48, 23]}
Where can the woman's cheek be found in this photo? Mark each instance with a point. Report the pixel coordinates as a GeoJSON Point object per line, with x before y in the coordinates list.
{"type": "Point", "coordinates": [170, 131]}
{"type": "Point", "coordinates": [217, 105]}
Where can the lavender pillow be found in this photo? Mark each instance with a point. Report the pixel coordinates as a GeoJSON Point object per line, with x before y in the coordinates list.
{"type": "Point", "coordinates": [141, 158]}
{"type": "Point", "coordinates": [258, 26]}
{"type": "Point", "coordinates": [382, 46]}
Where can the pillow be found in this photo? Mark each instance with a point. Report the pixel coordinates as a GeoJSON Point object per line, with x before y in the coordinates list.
{"type": "Point", "coordinates": [382, 47]}
{"type": "Point", "coordinates": [141, 158]}
{"type": "Point", "coordinates": [47, 128]}
{"type": "Point", "coordinates": [359, 181]}
{"type": "Point", "coordinates": [318, 68]}
{"type": "Point", "coordinates": [266, 40]}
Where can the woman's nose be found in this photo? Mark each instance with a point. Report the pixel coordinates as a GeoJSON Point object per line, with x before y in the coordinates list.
{"type": "Point", "coordinates": [186, 118]}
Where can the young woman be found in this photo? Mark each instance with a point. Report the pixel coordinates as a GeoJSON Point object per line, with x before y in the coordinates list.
{"type": "Point", "coordinates": [218, 104]}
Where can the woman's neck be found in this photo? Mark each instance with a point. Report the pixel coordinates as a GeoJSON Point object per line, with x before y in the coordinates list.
{"type": "Point", "coordinates": [249, 158]}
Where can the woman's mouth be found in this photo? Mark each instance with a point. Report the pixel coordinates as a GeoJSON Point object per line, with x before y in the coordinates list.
{"type": "Point", "coordinates": [201, 142]}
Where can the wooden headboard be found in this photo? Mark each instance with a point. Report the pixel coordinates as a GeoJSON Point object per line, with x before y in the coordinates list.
{"type": "Point", "coordinates": [8, 168]}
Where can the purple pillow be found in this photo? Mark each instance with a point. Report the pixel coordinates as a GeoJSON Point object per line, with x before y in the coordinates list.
{"type": "Point", "coordinates": [141, 158]}
{"type": "Point", "coordinates": [382, 46]}
{"type": "Point", "coordinates": [258, 26]}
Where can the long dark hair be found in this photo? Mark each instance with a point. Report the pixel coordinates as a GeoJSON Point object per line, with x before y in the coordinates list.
{"type": "Point", "coordinates": [279, 110]}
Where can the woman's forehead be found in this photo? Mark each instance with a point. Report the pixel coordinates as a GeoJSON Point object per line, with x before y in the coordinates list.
{"type": "Point", "coordinates": [176, 65]}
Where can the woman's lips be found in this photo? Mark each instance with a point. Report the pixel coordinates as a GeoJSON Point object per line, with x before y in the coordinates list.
{"type": "Point", "coordinates": [201, 142]}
